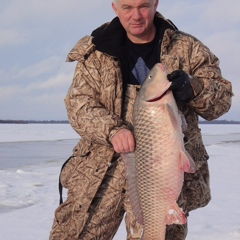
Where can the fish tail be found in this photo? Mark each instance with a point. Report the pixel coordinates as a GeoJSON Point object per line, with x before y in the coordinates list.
{"type": "Point", "coordinates": [175, 215]}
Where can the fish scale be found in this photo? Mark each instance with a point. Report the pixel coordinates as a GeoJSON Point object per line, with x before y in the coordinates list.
{"type": "Point", "coordinates": [151, 165]}
{"type": "Point", "coordinates": [155, 171]}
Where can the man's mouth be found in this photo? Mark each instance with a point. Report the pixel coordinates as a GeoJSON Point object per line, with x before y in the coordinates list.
{"type": "Point", "coordinates": [137, 24]}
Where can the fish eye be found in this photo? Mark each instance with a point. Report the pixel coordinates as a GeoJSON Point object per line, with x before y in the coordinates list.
{"type": "Point", "coordinates": [150, 77]}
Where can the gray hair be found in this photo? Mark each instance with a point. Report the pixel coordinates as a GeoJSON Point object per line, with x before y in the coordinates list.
{"type": "Point", "coordinates": [116, 1]}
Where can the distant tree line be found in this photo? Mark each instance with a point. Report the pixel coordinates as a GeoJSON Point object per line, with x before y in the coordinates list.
{"type": "Point", "coordinates": [34, 121]}
{"type": "Point", "coordinates": [67, 122]}
{"type": "Point", "coordinates": [219, 122]}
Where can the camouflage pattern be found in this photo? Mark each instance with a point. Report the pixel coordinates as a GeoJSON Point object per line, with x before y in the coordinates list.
{"type": "Point", "coordinates": [94, 176]}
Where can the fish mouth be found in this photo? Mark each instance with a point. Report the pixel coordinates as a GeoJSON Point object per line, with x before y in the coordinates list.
{"type": "Point", "coordinates": [159, 97]}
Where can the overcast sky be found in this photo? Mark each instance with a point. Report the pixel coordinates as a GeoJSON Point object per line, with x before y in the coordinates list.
{"type": "Point", "coordinates": [36, 36]}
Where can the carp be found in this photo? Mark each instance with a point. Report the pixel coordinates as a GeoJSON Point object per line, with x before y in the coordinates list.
{"type": "Point", "coordinates": [155, 170]}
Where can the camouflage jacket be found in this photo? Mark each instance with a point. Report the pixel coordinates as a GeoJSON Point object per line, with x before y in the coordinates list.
{"type": "Point", "coordinates": [95, 101]}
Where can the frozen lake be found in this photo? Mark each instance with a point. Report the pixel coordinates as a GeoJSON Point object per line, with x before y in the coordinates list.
{"type": "Point", "coordinates": [31, 156]}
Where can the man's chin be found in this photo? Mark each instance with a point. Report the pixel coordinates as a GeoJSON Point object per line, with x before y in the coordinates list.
{"type": "Point", "coordinates": [137, 32]}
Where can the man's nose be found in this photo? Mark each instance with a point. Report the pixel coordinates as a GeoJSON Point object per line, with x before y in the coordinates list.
{"type": "Point", "coordinates": [136, 13]}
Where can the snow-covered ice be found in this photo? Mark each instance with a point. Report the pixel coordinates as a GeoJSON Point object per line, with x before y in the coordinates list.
{"type": "Point", "coordinates": [31, 156]}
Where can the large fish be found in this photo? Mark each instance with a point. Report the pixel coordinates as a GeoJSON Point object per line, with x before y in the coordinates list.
{"type": "Point", "coordinates": [155, 171]}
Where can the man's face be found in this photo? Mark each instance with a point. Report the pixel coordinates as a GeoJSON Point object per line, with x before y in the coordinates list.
{"type": "Point", "coordinates": [136, 16]}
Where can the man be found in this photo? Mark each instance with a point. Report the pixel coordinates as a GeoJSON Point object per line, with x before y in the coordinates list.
{"type": "Point", "coordinates": [112, 64]}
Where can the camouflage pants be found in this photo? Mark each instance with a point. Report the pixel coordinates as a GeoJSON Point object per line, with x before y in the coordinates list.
{"type": "Point", "coordinates": [107, 211]}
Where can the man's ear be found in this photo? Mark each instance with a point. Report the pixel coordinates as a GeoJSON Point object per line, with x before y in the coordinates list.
{"type": "Point", "coordinates": [114, 7]}
{"type": "Point", "coordinates": [156, 4]}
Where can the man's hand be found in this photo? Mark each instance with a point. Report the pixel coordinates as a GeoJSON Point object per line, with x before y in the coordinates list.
{"type": "Point", "coordinates": [181, 87]}
{"type": "Point", "coordinates": [123, 141]}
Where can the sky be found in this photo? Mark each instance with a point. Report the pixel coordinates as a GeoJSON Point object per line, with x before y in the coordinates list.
{"type": "Point", "coordinates": [37, 35]}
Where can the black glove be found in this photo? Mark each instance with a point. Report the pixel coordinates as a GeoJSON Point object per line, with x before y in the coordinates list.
{"type": "Point", "coordinates": [181, 87]}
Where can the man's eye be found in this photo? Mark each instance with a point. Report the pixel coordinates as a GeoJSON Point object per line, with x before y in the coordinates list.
{"type": "Point", "coordinates": [126, 8]}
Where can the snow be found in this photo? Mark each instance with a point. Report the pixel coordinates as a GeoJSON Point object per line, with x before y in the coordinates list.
{"type": "Point", "coordinates": [31, 156]}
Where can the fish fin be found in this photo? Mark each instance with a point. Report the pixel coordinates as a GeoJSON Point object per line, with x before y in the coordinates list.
{"type": "Point", "coordinates": [188, 163]}
{"type": "Point", "coordinates": [175, 215]}
{"type": "Point", "coordinates": [184, 122]}
{"type": "Point", "coordinates": [172, 116]}
{"type": "Point", "coordinates": [130, 168]}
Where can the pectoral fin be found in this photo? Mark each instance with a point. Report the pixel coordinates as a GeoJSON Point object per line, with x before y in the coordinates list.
{"type": "Point", "coordinates": [171, 115]}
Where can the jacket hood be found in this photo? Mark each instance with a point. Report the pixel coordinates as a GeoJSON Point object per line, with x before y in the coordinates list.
{"type": "Point", "coordinates": [109, 38]}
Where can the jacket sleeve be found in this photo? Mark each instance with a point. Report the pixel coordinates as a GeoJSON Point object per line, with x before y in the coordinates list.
{"type": "Point", "coordinates": [214, 95]}
{"type": "Point", "coordinates": [87, 111]}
